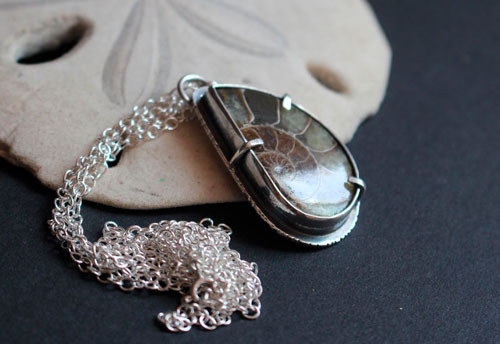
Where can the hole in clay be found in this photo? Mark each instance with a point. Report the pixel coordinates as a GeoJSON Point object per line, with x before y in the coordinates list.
{"type": "Point", "coordinates": [51, 40]}
{"type": "Point", "coordinates": [326, 77]}
{"type": "Point", "coordinates": [112, 164]}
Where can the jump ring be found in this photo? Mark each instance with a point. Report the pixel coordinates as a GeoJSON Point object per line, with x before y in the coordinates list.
{"type": "Point", "coordinates": [186, 78]}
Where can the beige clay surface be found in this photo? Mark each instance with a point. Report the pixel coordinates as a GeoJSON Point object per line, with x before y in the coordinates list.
{"type": "Point", "coordinates": [330, 56]}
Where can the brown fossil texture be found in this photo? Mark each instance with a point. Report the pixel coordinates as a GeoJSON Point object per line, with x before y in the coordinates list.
{"type": "Point", "coordinates": [303, 159]}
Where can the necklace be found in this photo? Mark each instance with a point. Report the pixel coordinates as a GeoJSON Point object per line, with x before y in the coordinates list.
{"type": "Point", "coordinates": [299, 178]}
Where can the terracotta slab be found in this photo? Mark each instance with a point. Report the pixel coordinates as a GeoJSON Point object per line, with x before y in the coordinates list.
{"type": "Point", "coordinates": [331, 56]}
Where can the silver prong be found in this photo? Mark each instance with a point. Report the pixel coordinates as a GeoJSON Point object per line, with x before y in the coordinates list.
{"type": "Point", "coordinates": [244, 149]}
{"type": "Point", "coordinates": [360, 183]}
{"type": "Point", "coordinates": [286, 101]}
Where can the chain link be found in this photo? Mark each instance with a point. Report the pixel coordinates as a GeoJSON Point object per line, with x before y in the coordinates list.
{"type": "Point", "coordinates": [192, 258]}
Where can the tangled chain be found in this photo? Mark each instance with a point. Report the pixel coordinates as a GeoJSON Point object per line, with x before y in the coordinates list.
{"type": "Point", "coordinates": [192, 258]}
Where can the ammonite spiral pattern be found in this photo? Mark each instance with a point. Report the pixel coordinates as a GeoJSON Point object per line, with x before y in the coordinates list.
{"type": "Point", "coordinates": [302, 158]}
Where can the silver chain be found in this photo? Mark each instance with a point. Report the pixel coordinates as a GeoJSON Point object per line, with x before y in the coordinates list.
{"type": "Point", "coordinates": [192, 258]}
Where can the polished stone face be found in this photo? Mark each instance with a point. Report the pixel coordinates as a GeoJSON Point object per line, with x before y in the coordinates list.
{"type": "Point", "coordinates": [302, 158]}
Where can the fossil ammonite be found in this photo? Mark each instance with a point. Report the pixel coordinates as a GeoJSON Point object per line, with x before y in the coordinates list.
{"type": "Point", "coordinates": [296, 174]}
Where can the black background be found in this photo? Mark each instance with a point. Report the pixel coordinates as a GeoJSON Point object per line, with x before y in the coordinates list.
{"type": "Point", "coordinates": [422, 265]}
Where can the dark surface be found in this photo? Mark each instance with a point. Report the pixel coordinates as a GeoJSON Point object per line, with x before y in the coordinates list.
{"type": "Point", "coordinates": [422, 265]}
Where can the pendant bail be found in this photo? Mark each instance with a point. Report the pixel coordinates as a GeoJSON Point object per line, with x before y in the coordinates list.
{"type": "Point", "coordinates": [181, 85]}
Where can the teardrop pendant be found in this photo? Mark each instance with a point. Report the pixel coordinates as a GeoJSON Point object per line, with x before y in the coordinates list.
{"type": "Point", "coordinates": [297, 175]}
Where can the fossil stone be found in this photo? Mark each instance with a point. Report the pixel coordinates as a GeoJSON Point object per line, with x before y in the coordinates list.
{"type": "Point", "coordinates": [304, 160]}
{"type": "Point", "coordinates": [69, 69]}
{"type": "Point", "coordinates": [299, 178]}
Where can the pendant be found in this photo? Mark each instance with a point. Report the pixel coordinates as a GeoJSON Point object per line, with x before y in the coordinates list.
{"type": "Point", "coordinates": [296, 174]}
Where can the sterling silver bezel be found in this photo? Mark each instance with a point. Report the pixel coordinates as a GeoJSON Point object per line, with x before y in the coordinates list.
{"type": "Point", "coordinates": [308, 229]}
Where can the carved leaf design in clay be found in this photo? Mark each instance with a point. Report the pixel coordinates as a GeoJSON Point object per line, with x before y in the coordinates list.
{"type": "Point", "coordinates": [114, 72]}
{"type": "Point", "coordinates": [224, 23]}
{"type": "Point", "coordinates": [233, 27]}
